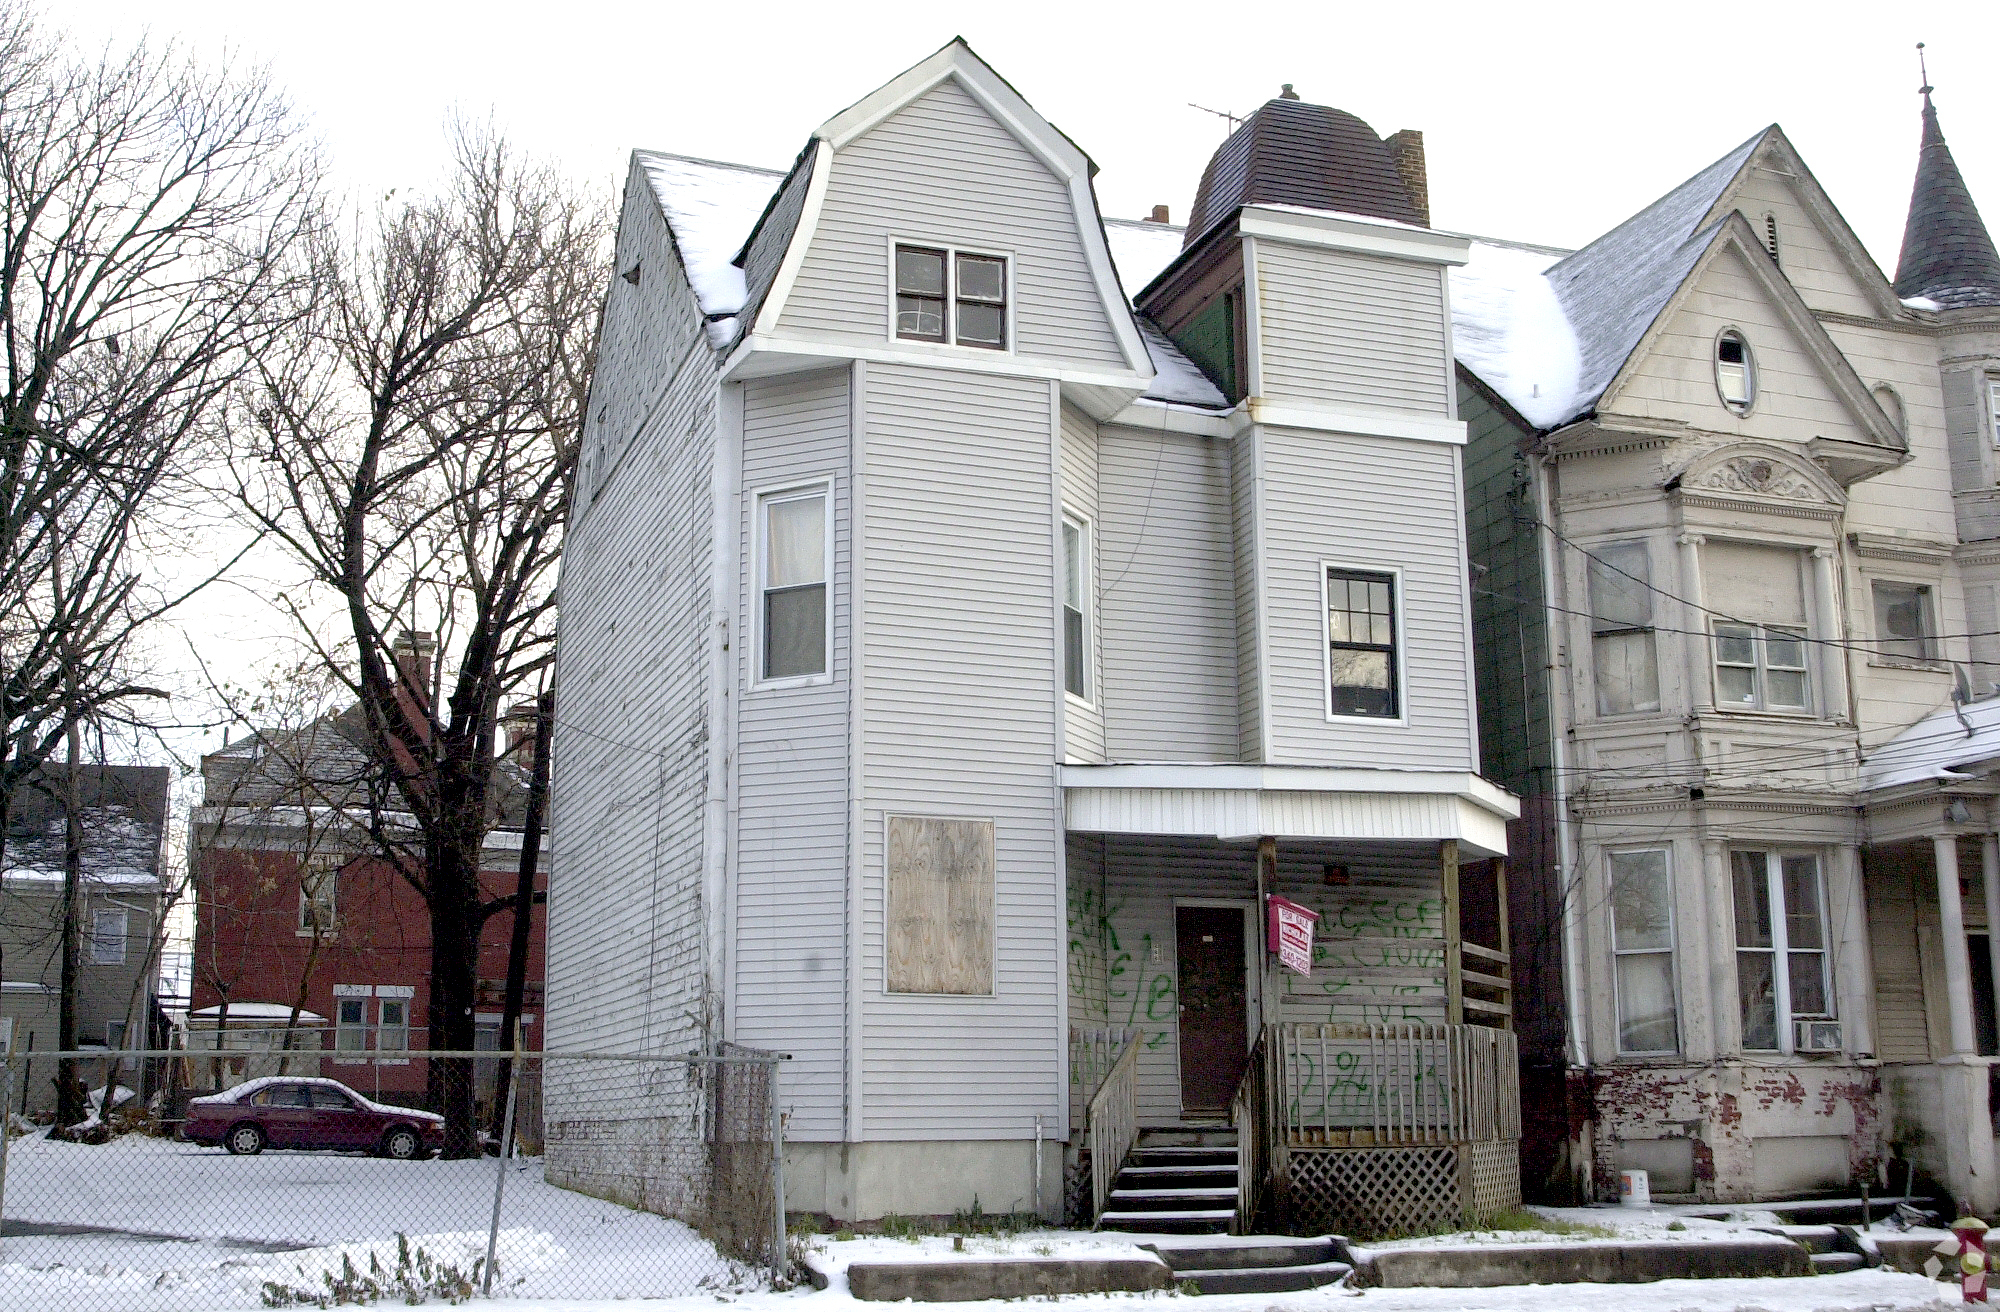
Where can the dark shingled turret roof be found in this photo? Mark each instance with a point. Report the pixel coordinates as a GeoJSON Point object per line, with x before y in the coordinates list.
{"type": "Point", "coordinates": [1947, 253]}
{"type": "Point", "coordinates": [1293, 153]}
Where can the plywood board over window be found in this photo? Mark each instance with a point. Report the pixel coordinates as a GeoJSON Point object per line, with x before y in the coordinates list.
{"type": "Point", "coordinates": [940, 905]}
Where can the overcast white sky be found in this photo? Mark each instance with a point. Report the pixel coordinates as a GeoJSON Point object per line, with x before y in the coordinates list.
{"type": "Point", "coordinates": [1543, 122]}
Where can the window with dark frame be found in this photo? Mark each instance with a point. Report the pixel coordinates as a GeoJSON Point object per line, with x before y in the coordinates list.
{"type": "Point", "coordinates": [956, 297]}
{"type": "Point", "coordinates": [1903, 626]}
{"type": "Point", "coordinates": [1361, 644]}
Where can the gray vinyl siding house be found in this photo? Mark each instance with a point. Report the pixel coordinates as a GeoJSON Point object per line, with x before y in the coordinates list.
{"type": "Point", "coordinates": [914, 848]}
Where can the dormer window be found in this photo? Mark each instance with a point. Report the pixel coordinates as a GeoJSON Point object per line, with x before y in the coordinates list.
{"type": "Point", "coordinates": [954, 297]}
{"type": "Point", "coordinates": [1735, 372]}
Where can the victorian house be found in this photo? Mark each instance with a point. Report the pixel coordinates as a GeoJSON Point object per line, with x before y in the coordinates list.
{"type": "Point", "coordinates": [1732, 519]}
{"type": "Point", "coordinates": [992, 632]}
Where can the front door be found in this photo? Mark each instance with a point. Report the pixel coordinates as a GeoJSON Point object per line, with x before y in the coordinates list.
{"type": "Point", "coordinates": [1214, 1015]}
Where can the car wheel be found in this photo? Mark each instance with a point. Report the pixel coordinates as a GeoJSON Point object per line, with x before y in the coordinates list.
{"type": "Point", "coordinates": [244, 1140]}
{"type": "Point", "coordinates": [402, 1144]}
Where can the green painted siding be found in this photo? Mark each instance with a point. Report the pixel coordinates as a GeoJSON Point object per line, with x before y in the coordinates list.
{"type": "Point", "coordinates": [1508, 629]}
{"type": "Point", "coordinates": [1210, 341]}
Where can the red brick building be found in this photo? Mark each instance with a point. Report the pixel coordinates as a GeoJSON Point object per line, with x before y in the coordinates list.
{"type": "Point", "coordinates": [306, 934]}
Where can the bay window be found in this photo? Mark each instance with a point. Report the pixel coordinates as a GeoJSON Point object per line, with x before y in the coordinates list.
{"type": "Point", "coordinates": [1621, 629]}
{"type": "Point", "coordinates": [1642, 924]}
{"type": "Point", "coordinates": [1781, 959]}
{"type": "Point", "coordinates": [1758, 597]}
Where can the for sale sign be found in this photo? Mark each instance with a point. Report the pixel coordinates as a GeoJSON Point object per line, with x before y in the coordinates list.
{"type": "Point", "coordinates": [1290, 934]}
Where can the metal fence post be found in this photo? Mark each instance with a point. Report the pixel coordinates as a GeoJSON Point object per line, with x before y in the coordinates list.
{"type": "Point", "coordinates": [779, 1265]}
{"type": "Point", "coordinates": [6, 1128]}
{"type": "Point", "coordinates": [506, 1146]}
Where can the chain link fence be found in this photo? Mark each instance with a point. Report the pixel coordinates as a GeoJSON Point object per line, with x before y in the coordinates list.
{"type": "Point", "coordinates": [205, 1180]}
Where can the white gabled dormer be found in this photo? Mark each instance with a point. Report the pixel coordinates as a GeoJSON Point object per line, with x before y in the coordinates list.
{"type": "Point", "coordinates": [1004, 267]}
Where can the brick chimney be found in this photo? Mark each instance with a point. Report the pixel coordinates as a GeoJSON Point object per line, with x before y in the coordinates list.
{"type": "Point", "coordinates": [414, 650]}
{"type": "Point", "coordinates": [1407, 148]}
{"type": "Point", "coordinates": [1159, 215]}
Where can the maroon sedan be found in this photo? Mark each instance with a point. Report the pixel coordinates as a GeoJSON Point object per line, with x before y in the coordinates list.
{"type": "Point", "coordinates": [293, 1112]}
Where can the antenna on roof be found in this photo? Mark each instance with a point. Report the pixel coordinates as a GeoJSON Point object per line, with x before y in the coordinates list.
{"type": "Point", "coordinates": [1923, 68]}
{"type": "Point", "coordinates": [1234, 122]}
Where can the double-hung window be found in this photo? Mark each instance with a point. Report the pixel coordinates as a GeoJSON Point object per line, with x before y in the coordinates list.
{"type": "Point", "coordinates": [951, 296]}
{"type": "Point", "coordinates": [1621, 629]}
{"type": "Point", "coordinates": [319, 881]}
{"type": "Point", "coordinates": [1904, 628]}
{"type": "Point", "coordinates": [1781, 963]}
{"type": "Point", "coordinates": [1361, 664]}
{"type": "Point", "coordinates": [107, 937]}
{"type": "Point", "coordinates": [1993, 408]}
{"type": "Point", "coordinates": [792, 589]}
{"type": "Point", "coordinates": [393, 1033]}
{"type": "Point", "coordinates": [1760, 667]}
{"type": "Point", "coordinates": [1642, 922]}
{"type": "Point", "coordinates": [350, 1024]}
{"type": "Point", "coordinates": [1076, 607]}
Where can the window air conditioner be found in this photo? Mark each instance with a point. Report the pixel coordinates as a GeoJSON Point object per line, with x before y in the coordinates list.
{"type": "Point", "coordinates": [1817, 1036]}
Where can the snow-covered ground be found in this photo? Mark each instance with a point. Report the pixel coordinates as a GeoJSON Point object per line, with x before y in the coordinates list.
{"type": "Point", "coordinates": [181, 1227]}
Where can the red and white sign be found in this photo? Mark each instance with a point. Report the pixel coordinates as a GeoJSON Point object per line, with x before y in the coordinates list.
{"type": "Point", "coordinates": [1290, 934]}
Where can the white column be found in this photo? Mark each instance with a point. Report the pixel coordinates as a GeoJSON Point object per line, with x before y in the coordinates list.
{"type": "Point", "coordinates": [1957, 961]}
{"type": "Point", "coordinates": [1989, 872]}
{"type": "Point", "coordinates": [1968, 1125]}
{"type": "Point", "coordinates": [1701, 685]}
{"type": "Point", "coordinates": [1724, 1008]}
{"type": "Point", "coordinates": [1853, 962]}
{"type": "Point", "coordinates": [1832, 660]}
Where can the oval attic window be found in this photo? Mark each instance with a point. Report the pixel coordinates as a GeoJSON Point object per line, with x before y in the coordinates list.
{"type": "Point", "coordinates": [1735, 371]}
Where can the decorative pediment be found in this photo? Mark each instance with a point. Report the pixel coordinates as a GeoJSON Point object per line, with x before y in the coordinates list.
{"type": "Point", "coordinates": [1755, 476]}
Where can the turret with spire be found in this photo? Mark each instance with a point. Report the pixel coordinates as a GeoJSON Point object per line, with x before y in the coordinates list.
{"type": "Point", "coordinates": [1948, 255]}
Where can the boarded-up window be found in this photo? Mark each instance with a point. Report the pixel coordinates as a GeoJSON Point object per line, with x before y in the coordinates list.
{"type": "Point", "coordinates": [940, 905]}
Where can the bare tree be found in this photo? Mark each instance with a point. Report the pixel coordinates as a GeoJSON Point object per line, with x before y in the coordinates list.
{"type": "Point", "coordinates": [150, 209]}
{"type": "Point", "coordinates": [414, 451]}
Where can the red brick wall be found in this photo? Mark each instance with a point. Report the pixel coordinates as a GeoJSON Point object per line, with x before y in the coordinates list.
{"type": "Point", "coordinates": [247, 945]}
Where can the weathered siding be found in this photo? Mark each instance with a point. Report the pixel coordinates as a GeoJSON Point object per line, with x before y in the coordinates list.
{"type": "Point", "coordinates": [791, 772]}
{"type": "Point", "coordinates": [1167, 597]}
{"type": "Point", "coordinates": [958, 696]}
{"type": "Point", "coordinates": [647, 329]}
{"type": "Point", "coordinates": [1901, 1030]}
{"type": "Point", "coordinates": [1345, 329]}
{"type": "Point", "coordinates": [632, 733]}
{"type": "Point", "coordinates": [1378, 951]}
{"type": "Point", "coordinates": [943, 170]}
{"type": "Point", "coordinates": [1366, 503]}
{"type": "Point", "coordinates": [1083, 725]}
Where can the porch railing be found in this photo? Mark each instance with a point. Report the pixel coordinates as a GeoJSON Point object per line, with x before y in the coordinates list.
{"type": "Point", "coordinates": [1350, 1085]}
{"type": "Point", "coordinates": [1250, 1113]}
{"type": "Point", "coordinates": [1111, 1115]}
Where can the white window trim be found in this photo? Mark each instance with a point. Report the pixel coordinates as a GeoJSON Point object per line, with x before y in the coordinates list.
{"type": "Point", "coordinates": [1993, 408]}
{"type": "Point", "coordinates": [1089, 530]}
{"type": "Point", "coordinates": [952, 250]}
{"type": "Point", "coordinates": [1672, 950]}
{"type": "Point", "coordinates": [351, 1056]}
{"type": "Point", "coordinates": [760, 498]}
{"type": "Point", "coordinates": [1933, 629]}
{"type": "Point", "coordinates": [1780, 949]}
{"type": "Point", "coordinates": [1715, 663]}
{"type": "Point", "coordinates": [1651, 628]}
{"type": "Point", "coordinates": [332, 870]}
{"type": "Point", "coordinates": [1402, 647]}
{"type": "Point", "coordinates": [385, 996]}
{"type": "Point", "coordinates": [1741, 409]}
{"type": "Point", "coordinates": [124, 935]}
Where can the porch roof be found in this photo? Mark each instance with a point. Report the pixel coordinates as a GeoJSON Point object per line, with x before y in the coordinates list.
{"type": "Point", "coordinates": [1946, 746]}
{"type": "Point", "coordinates": [1289, 801]}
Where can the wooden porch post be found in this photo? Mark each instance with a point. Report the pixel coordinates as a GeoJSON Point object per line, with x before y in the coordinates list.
{"type": "Point", "coordinates": [1454, 956]}
{"type": "Point", "coordinates": [1267, 878]}
{"type": "Point", "coordinates": [1506, 941]}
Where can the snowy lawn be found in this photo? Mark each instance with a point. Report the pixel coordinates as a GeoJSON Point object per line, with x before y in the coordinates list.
{"type": "Point", "coordinates": [194, 1228]}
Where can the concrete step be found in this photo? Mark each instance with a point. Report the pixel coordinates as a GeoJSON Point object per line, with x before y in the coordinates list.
{"type": "Point", "coordinates": [1264, 1251]}
{"type": "Point", "coordinates": [1812, 1238]}
{"type": "Point", "coordinates": [1263, 1279]}
{"type": "Point", "coordinates": [1826, 1264]}
{"type": "Point", "coordinates": [1196, 1220]}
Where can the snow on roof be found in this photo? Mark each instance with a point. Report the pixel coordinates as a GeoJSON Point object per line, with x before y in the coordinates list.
{"type": "Point", "coordinates": [1549, 331]}
{"type": "Point", "coordinates": [257, 1011]}
{"type": "Point", "coordinates": [711, 208]}
{"type": "Point", "coordinates": [1935, 747]}
{"type": "Point", "coordinates": [1922, 303]}
{"type": "Point", "coordinates": [1508, 328]}
{"type": "Point", "coordinates": [1141, 249]}
{"type": "Point", "coordinates": [1176, 379]}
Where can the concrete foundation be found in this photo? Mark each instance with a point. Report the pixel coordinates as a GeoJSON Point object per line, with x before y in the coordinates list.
{"type": "Point", "coordinates": [868, 1181]}
{"type": "Point", "coordinates": [1029, 1277]}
